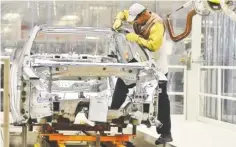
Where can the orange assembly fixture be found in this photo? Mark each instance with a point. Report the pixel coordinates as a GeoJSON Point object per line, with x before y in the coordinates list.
{"type": "Point", "coordinates": [61, 137]}
{"type": "Point", "coordinates": [116, 140]}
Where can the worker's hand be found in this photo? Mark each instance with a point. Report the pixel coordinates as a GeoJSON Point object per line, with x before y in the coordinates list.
{"type": "Point", "coordinates": [132, 37]}
{"type": "Point", "coordinates": [117, 24]}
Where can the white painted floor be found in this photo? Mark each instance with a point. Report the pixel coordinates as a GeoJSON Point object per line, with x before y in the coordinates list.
{"type": "Point", "coordinates": [185, 134]}
{"type": "Point", "coordinates": [195, 134]}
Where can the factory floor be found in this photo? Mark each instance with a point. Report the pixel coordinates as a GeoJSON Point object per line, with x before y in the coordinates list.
{"type": "Point", "coordinates": [185, 134]}
{"type": "Point", "coordinates": [195, 133]}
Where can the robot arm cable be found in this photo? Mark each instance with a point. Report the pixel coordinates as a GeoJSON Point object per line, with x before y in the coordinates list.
{"type": "Point", "coordinates": [227, 7]}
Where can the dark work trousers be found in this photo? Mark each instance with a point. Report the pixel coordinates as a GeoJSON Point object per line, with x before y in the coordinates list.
{"type": "Point", "coordinates": [164, 109]}
{"type": "Point", "coordinates": [120, 94]}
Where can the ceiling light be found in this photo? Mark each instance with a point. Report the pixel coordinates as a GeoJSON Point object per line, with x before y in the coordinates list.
{"type": "Point", "coordinates": [210, 22]}
{"type": "Point", "coordinates": [9, 50]}
{"type": "Point", "coordinates": [92, 37]}
{"type": "Point", "coordinates": [6, 30]}
{"type": "Point", "coordinates": [11, 16]}
{"type": "Point", "coordinates": [38, 9]}
{"type": "Point", "coordinates": [70, 18]}
{"type": "Point", "coordinates": [54, 8]}
{"type": "Point", "coordinates": [97, 8]}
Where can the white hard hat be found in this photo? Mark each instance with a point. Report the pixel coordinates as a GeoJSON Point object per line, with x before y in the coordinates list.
{"type": "Point", "coordinates": [134, 10]}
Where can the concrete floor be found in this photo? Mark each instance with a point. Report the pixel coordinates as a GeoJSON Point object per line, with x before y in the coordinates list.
{"type": "Point", "coordinates": [15, 139]}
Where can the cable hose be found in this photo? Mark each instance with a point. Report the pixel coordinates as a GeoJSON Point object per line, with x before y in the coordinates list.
{"type": "Point", "coordinates": [188, 27]}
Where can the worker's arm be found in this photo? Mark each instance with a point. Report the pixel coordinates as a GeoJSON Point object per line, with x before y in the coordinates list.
{"type": "Point", "coordinates": [155, 39]}
{"type": "Point", "coordinates": [123, 15]}
{"type": "Point", "coordinates": [120, 18]}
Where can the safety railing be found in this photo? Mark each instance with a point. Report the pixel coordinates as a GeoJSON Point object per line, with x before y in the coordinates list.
{"type": "Point", "coordinates": [216, 98]}
{"type": "Point", "coordinates": [6, 107]}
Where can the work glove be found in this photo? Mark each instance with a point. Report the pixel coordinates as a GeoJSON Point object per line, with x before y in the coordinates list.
{"type": "Point", "coordinates": [117, 24]}
{"type": "Point", "coordinates": [132, 37]}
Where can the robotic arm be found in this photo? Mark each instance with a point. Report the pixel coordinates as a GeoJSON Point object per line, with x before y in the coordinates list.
{"type": "Point", "coordinates": [201, 7]}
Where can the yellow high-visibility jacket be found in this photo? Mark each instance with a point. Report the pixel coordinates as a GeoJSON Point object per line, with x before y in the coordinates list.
{"type": "Point", "coordinates": [155, 39]}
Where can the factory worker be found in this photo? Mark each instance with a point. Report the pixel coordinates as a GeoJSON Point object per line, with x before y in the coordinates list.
{"type": "Point", "coordinates": [149, 32]}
